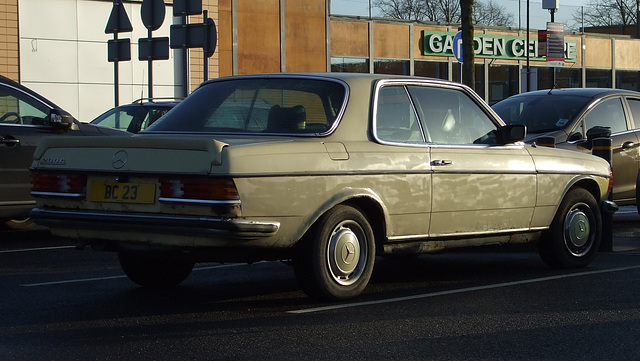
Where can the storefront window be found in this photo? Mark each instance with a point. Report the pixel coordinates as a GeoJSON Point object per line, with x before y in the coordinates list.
{"type": "Point", "coordinates": [598, 78]}
{"type": "Point", "coordinates": [629, 80]}
{"type": "Point", "coordinates": [503, 82]}
{"type": "Point", "coordinates": [396, 67]}
{"type": "Point", "coordinates": [431, 69]}
{"type": "Point", "coordinates": [349, 65]}
{"type": "Point", "coordinates": [565, 77]}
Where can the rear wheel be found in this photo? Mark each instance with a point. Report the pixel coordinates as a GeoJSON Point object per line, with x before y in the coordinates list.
{"type": "Point", "coordinates": [335, 260]}
{"type": "Point", "coordinates": [574, 236]}
{"type": "Point", "coordinates": [154, 272]}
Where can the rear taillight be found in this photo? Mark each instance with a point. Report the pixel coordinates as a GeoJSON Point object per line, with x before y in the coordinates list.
{"type": "Point", "coordinates": [58, 182]}
{"type": "Point", "coordinates": [207, 189]}
{"type": "Point", "coordinates": [610, 182]}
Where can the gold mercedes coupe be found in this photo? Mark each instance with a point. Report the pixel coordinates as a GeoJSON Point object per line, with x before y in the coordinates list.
{"type": "Point", "coordinates": [328, 170]}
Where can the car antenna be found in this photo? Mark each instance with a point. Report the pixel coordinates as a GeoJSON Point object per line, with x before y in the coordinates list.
{"type": "Point", "coordinates": [555, 86]}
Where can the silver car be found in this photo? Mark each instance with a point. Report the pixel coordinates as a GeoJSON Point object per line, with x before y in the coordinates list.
{"type": "Point", "coordinates": [327, 170]}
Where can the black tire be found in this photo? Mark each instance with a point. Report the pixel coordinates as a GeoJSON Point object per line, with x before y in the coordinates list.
{"type": "Point", "coordinates": [154, 272]}
{"type": "Point", "coordinates": [574, 236]}
{"type": "Point", "coordinates": [336, 258]}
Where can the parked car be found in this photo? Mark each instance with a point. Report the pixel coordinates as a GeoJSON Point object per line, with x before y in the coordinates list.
{"type": "Point", "coordinates": [25, 119]}
{"type": "Point", "coordinates": [136, 116]}
{"type": "Point", "coordinates": [343, 167]}
{"type": "Point", "coordinates": [567, 115]}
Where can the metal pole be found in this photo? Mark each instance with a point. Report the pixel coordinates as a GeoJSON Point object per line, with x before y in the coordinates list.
{"type": "Point", "coordinates": [205, 60]}
{"type": "Point", "coordinates": [527, 52]}
{"type": "Point", "coordinates": [116, 93]}
{"type": "Point", "coordinates": [150, 66]}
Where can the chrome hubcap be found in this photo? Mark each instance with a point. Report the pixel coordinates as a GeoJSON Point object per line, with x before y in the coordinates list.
{"type": "Point", "coordinates": [345, 256]}
{"type": "Point", "coordinates": [577, 232]}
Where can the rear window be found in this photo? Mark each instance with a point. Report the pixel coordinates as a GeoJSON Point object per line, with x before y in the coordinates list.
{"type": "Point", "coordinates": [258, 105]}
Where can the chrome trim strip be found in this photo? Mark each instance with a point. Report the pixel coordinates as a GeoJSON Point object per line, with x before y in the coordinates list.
{"type": "Point", "coordinates": [57, 194]}
{"type": "Point", "coordinates": [415, 237]}
{"type": "Point", "coordinates": [197, 201]}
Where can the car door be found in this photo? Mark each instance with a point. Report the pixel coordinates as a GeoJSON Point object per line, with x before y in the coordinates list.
{"type": "Point", "coordinates": [610, 113]}
{"type": "Point", "coordinates": [20, 132]}
{"type": "Point", "coordinates": [478, 187]}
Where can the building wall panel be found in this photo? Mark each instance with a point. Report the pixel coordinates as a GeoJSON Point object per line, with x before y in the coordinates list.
{"type": "Point", "coordinates": [350, 38]}
{"type": "Point", "coordinates": [258, 36]}
{"type": "Point", "coordinates": [597, 53]}
{"type": "Point", "coordinates": [391, 41]}
{"type": "Point", "coordinates": [305, 35]}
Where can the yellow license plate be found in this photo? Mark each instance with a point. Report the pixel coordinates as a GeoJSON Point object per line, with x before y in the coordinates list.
{"type": "Point", "coordinates": [122, 192]}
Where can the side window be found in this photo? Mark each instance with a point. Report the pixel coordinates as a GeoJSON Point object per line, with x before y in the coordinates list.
{"type": "Point", "coordinates": [395, 120]}
{"type": "Point", "coordinates": [608, 113]}
{"type": "Point", "coordinates": [634, 105]}
{"type": "Point", "coordinates": [19, 108]}
{"type": "Point", "coordinates": [449, 116]}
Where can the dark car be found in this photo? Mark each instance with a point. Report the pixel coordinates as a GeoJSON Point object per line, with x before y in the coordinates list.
{"type": "Point", "coordinates": [25, 118]}
{"type": "Point", "coordinates": [567, 115]}
{"type": "Point", "coordinates": [136, 116]}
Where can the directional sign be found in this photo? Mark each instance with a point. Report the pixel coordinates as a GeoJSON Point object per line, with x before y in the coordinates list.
{"type": "Point", "coordinates": [457, 46]}
{"type": "Point", "coordinates": [118, 20]}
{"type": "Point", "coordinates": [195, 36]}
{"type": "Point", "coordinates": [152, 12]}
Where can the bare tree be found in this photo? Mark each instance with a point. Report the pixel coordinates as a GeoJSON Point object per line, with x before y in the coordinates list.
{"type": "Point", "coordinates": [491, 13]}
{"type": "Point", "coordinates": [607, 13]}
{"type": "Point", "coordinates": [486, 12]}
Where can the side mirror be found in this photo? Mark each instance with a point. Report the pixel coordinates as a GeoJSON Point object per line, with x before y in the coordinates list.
{"type": "Point", "coordinates": [60, 119]}
{"type": "Point", "coordinates": [511, 133]}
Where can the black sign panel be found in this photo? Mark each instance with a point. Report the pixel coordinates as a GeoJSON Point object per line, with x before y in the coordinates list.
{"type": "Point", "coordinates": [187, 7]}
{"type": "Point", "coordinates": [119, 50]}
{"type": "Point", "coordinates": [156, 48]}
{"type": "Point", "coordinates": [152, 12]}
{"type": "Point", "coordinates": [195, 36]}
{"type": "Point", "coordinates": [118, 20]}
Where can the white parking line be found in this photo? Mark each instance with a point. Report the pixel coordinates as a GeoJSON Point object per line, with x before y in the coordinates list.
{"type": "Point", "coordinates": [457, 291]}
{"type": "Point", "coordinates": [35, 249]}
{"type": "Point", "coordinates": [79, 280]}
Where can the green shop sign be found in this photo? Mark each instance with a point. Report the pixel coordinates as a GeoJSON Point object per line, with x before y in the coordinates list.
{"type": "Point", "coordinates": [440, 43]}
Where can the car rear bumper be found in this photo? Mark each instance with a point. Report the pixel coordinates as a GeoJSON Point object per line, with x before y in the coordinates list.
{"type": "Point", "coordinates": [155, 223]}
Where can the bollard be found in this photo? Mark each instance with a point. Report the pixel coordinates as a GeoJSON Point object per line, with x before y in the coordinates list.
{"type": "Point", "coordinates": [602, 147]}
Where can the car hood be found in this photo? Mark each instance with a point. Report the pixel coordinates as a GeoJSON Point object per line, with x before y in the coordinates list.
{"type": "Point", "coordinates": [560, 136]}
{"type": "Point", "coordinates": [96, 130]}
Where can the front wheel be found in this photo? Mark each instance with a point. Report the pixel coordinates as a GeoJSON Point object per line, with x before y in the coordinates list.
{"type": "Point", "coordinates": [154, 272]}
{"type": "Point", "coordinates": [574, 236]}
{"type": "Point", "coordinates": [335, 260]}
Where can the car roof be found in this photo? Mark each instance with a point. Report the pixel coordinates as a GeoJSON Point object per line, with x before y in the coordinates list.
{"type": "Point", "coordinates": [584, 92]}
{"type": "Point", "coordinates": [347, 77]}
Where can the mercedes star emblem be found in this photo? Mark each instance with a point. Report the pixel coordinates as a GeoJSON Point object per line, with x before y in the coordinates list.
{"type": "Point", "coordinates": [119, 159]}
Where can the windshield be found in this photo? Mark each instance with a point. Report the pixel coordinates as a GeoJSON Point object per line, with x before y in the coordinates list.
{"type": "Point", "coordinates": [258, 105]}
{"type": "Point", "coordinates": [541, 113]}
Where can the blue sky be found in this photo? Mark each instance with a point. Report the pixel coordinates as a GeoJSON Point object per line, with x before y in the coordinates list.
{"type": "Point", "coordinates": [538, 17]}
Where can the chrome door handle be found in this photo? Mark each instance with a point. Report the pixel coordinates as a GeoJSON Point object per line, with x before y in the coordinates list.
{"type": "Point", "coordinates": [441, 162]}
{"type": "Point", "coordinates": [628, 144]}
{"type": "Point", "coordinates": [9, 141]}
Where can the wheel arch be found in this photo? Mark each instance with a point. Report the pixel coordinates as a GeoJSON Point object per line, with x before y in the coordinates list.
{"type": "Point", "coordinates": [366, 201]}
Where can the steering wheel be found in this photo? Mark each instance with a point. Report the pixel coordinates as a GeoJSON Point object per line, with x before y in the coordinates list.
{"type": "Point", "coordinates": [9, 114]}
